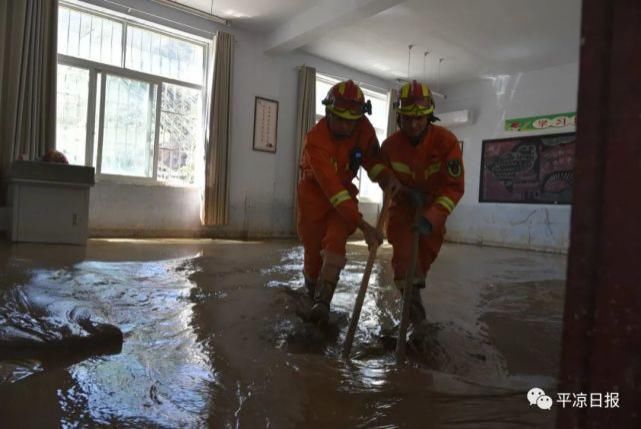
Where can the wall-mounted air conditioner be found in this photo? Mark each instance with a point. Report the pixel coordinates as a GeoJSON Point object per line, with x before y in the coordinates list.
{"type": "Point", "coordinates": [453, 119]}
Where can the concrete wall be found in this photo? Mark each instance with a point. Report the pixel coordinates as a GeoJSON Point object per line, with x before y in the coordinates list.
{"type": "Point", "coordinates": [261, 184]}
{"type": "Point", "coordinates": [118, 209]}
{"type": "Point", "coordinates": [547, 91]}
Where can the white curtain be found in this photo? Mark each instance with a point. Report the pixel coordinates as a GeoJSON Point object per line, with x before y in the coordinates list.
{"type": "Point", "coordinates": [216, 198]}
{"type": "Point", "coordinates": [28, 52]}
{"type": "Point", "coordinates": [305, 118]}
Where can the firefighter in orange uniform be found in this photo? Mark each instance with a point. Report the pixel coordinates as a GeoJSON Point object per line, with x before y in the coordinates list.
{"type": "Point", "coordinates": [334, 150]}
{"type": "Point", "coordinates": [426, 159]}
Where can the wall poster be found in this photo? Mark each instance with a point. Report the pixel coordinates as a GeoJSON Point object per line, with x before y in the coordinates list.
{"type": "Point", "coordinates": [265, 124]}
{"type": "Point", "coordinates": [534, 123]}
{"type": "Point", "coordinates": [532, 170]}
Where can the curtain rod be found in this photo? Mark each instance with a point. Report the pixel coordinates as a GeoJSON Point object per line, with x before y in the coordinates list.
{"type": "Point", "coordinates": [212, 18]}
{"type": "Point", "coordinates": [193, 11]}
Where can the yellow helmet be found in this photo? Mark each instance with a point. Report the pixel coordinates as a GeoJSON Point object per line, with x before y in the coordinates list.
{"type": "Point", "coordinates": [415, 99]}
{"type": "Point", "coordinates": [346, 99]}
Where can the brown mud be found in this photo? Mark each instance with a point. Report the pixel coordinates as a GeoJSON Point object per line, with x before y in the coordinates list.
{"type": "Point", "coordinates": [213, 337]}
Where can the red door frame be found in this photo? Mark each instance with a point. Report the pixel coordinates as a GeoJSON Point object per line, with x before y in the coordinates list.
{"type": "Point", "coordinates": [602, 321]}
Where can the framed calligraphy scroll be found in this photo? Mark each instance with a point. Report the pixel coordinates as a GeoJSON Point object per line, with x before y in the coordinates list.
{"type": "Point", "coordinates": [265, 124]}
{"type": "Point", "coordinates": [530, 170]}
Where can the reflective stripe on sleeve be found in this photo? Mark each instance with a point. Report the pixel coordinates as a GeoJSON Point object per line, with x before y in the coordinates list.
{"type": "Point", "coordinates": [402, 168]}
{"type": "Point", "coordinates": [339, 198]}
{"type": "Point", "coordinates": [376, 170]}
{"type": "Point", "coordinates": [432, 169]}
{"type": "Point", "coordinates": [446, 202]}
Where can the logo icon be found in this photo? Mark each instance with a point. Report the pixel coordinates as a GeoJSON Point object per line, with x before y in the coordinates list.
{"type": "Point", "coordinates": [544, 402]}
{"type": "Point", "coordinates": [537, 396]}
{"type": "Point", "coordinates": [534, 394]}
{"type": "Point", "coordinates": [454, 167]}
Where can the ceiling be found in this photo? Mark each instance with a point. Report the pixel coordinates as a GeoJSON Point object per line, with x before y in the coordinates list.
{"type": "Point", "coordinates": [254, 15]}
{"type": "Point", "coordinates": [474, 38]}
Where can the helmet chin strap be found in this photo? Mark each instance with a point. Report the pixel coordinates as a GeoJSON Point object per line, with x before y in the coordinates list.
{"type": "Point", "coordinates": [336, 135]}
{"type": "Point", "coordinates": [414, 141]}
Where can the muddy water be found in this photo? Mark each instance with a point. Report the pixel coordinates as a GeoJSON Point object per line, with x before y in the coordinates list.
{"type": "Point", "coordinates": [212, 338]}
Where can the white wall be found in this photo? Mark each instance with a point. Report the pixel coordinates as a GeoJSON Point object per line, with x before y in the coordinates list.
{"type": "Point", "coordinates": [117, 209]}
{"type": "Point", "coordinates": [547, 91]}
{"type": "Point", "coordinates": [261, 184]}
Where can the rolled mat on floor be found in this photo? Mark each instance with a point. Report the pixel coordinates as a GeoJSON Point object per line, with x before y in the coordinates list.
{"type": "Point", "coordinates": [32, 326]}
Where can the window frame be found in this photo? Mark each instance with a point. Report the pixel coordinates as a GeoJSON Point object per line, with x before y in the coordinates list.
{"type": "Point", "coordinates": [98, 73]}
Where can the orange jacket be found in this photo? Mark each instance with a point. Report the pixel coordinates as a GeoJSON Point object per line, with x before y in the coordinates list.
{"type": "Point", "coordinates": [326, 177]}
{"type": "Point", "coordinates": [434, 166]}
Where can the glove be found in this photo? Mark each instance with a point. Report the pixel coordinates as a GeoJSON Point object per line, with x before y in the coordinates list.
{"type": "Point", "coordinates": [392, 186]}
{"type": "Point", "coordinates": [424, 226]}
{"type": "Point", "coordinates": [373, 238]}
{"type": "Point", "coordinates": [417, 198]}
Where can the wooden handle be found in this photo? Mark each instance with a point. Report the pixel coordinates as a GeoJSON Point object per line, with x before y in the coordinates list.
{"type": "Point", "coordinates": [407, 291]}
{"type": "Point", "coordinates": [360, 298]}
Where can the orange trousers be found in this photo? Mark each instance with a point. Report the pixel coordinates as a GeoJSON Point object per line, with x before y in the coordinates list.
{"type": "Point", "coordinates": [399, 234]}
{"type": "Point", "coordinates": [322, 230]}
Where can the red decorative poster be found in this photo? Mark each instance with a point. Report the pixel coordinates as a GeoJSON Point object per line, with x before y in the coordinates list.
{"type": "Point", "coordinates": [534, 170]}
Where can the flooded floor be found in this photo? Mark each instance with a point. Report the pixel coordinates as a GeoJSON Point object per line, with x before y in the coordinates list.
{"type": "Point", "coordinates": [212, 338]}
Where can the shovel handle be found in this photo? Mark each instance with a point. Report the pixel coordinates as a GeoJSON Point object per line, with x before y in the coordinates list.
{"type": "Point", "coordinates": [360, 298]}
{"type": "Point", "coordinates": [407, 291]}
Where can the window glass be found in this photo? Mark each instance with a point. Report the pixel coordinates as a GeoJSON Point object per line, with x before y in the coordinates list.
{"type": "Point", "coordinates": [322, 88]}
{"type": "Point", "coordinates": [71, 112]}
{"type": "Point", "coordinates": [129, 127]}
{"type": "Point", "coordinates": [180, 132]}
{"type": "Point", "coordinates": [368, 190]}
{"type": "Point", "coordinates": [162, 55]}
{"type": "Point", "coordinates": [89, 36]}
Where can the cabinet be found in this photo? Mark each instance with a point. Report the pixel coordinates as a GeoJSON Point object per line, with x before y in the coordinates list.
{"type": "Point", "coordinates": [49, 202]}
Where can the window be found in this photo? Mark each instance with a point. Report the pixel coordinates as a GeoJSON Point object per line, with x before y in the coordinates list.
{"type": "Point", "coordinates": [87, 36]}
{"type": "Point", "coordinates": [368, 191]}
{"type": "Point", "coordinates": [323, 85]}
{"type": "Point", "coordinates": [162, 55]}
{"type": "Point", "coordinates": [128, 128]}
{"type": "Point", "coordinates": [130, 97]}
{"type": "Point", "coordinates": [180, 130]}
{"type": "Point", "coordinates": [71, 105]}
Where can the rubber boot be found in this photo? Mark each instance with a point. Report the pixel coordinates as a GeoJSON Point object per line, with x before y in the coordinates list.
{"type": "Point", "coordinates": [322, 301]}
{"type": "Point", "coordinates": [310, 286]}
{"type": "Point", "coordinates": [329, 274]}
{"type": "Point", "coordinates": [417, 310]}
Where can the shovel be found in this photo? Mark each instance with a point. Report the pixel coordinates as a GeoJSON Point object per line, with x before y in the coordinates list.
{"type": "Point", "coordinates": [417, 230]}
{"type": "Point", "coordinates": [353, 323]}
